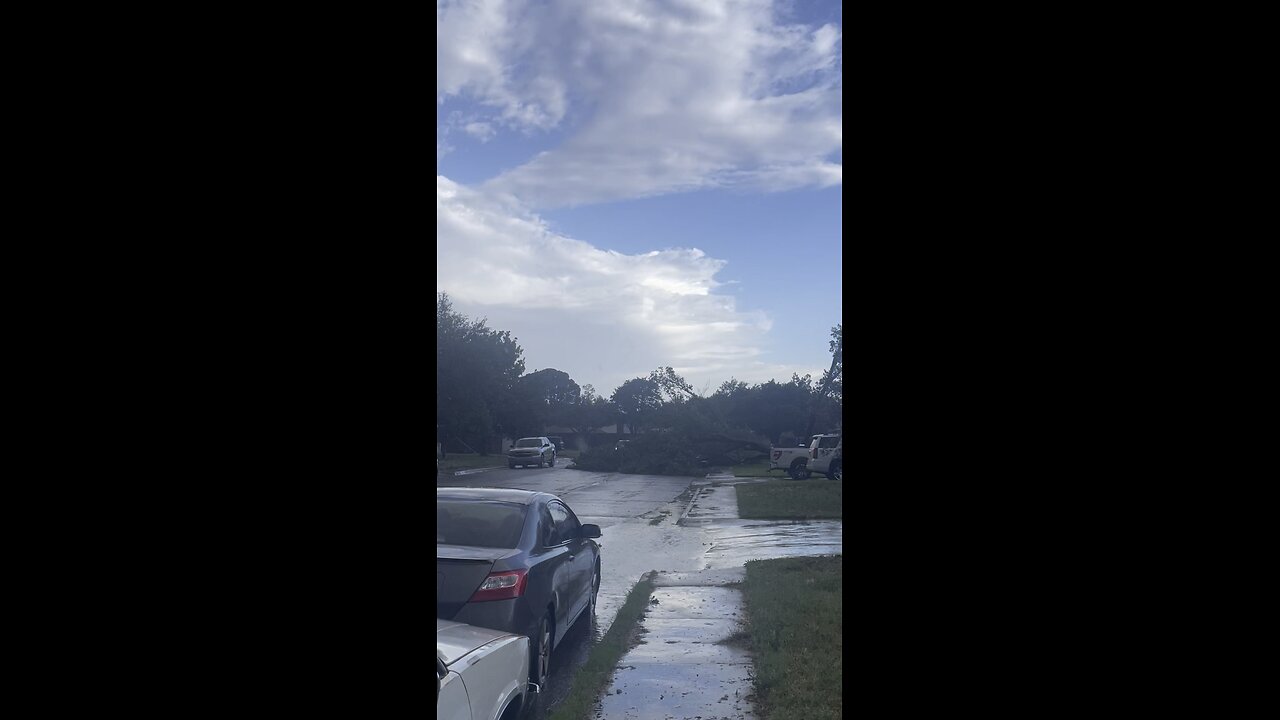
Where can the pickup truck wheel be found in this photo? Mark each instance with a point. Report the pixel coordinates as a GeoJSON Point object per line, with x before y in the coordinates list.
{"type": "Point", "coordinates": [798, 470]}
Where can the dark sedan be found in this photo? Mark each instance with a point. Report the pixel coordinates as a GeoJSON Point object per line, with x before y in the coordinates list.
{"type": "Point", "coordinates": [515, 561]}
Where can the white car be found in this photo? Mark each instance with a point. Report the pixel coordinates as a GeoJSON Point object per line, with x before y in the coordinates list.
{"type": "Point", "coordinates": [792, 461]}
{"type": "Point", "coordinates": [481, 674]}
{"type": "Point", "coordinates": [826, 456]}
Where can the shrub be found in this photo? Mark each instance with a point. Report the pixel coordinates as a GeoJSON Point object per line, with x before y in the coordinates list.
{"type": "Point", "coordinates": [647, 454]}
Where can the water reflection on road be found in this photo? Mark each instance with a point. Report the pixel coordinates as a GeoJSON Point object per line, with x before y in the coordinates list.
{"type": "Point", "coordinates": [647, 523]}
{"type": "Point", "coordinates": [629, 549]}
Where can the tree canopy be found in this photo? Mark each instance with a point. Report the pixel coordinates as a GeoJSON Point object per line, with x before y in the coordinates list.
{"type": "Point", "coordinates": [476, 373]}
{"type": "Point", "coordinates": [482, 392]}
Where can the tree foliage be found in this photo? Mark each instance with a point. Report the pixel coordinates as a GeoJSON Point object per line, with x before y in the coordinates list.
{"type": "Point", "coordinates": [477, 369]}
{"type": "Point", "coordinates": [482, 392]}
{"type": "Point", "coordinates": [637, 400]}
{"type": "Point", "coordinates": [552, 387]}
{"type": "Point", "coordinates": [831, 385]}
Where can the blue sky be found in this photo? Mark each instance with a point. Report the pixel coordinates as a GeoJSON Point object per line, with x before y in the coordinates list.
{"type": "Point", "coordinates": [628, 184]}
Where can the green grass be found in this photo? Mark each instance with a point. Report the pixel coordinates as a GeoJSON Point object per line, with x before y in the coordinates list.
{"type": "Point", "coordinates": [796, 627]}
{"type": "Point", "coordinates": [758, 467]}
{"type": "Point", "coordinates": [462, 461]}
{"type": "Point", "coordinates": [594, 675]}
{"type": "Point", "coordinates": [812, 499]}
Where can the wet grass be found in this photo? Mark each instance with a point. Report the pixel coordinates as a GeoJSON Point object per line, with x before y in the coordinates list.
{"type": "Point", "coordinates": [812, 499]}
{"type": "Point", "coordinates": [755, 468]}
{"type": "Point", "coordinates": [594, 674]}
{"type": "Point", "coordinates": [463, 461]}
{"type": "Point", "coordinates": [796, 624]}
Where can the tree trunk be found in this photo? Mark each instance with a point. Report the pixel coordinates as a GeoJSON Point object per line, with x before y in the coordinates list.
{"type": "Point", "coordinates": [822, 394]}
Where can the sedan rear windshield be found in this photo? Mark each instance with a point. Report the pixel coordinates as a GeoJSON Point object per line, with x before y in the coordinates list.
{"type": "Point", "coordinates": [528, 442]}
{"type": "Point", "coordinates": [479, 523]}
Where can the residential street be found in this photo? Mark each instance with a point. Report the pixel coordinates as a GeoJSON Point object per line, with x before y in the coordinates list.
{"type": "Point", "coordinates": [638, 517]}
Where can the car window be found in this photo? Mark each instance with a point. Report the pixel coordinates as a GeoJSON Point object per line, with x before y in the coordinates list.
{"type": "Point", "coordinates": [528, 443]}
{"type": "Point", "coordinates": [567, 526]}
{"type": "Point", "coordinates": [547, 533]}
{"type": "Point", "coordinates": [828, 442]}
{"type": "Point", "coordinates": [479, 524]}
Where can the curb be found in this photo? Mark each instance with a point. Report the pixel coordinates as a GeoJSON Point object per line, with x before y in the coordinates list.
{"type": "Point", "coordinates": [687, 508]}
{"type": "Point", "coordinates": [473, 471]}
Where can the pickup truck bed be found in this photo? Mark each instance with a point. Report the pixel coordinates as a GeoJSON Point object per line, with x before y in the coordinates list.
{"type": "Point", "coordinates": [792, 461]}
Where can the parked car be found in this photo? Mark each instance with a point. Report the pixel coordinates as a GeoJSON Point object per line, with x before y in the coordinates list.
{"type": "Point", "coordinates": [481, 674]}
{"type": "Point", "coordinates": [525, 450]}
{"type": "Point", "coordinates": [557, 441]}
{"type": "Point", "coordinates": [515, 561]}
{"type": "Point", "coordinates": [621, 444]}
{"type": "Point", "coordinates": [826, 456]}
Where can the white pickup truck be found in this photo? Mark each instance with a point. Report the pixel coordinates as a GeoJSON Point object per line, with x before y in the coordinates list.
{"type": "Point", "coordinates": [793, 461]}
{"type": "Point", "coordinates": [826, 456]}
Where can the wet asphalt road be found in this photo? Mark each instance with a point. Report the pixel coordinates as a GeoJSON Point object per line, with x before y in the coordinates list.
{"type": "Point", "coordinates": [637, 515]}
{"type": "Point", "coordinates": [621, 505]}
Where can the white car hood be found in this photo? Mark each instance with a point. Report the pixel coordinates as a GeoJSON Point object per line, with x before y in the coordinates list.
{"type": "Point", "coordinates": [454, 640]}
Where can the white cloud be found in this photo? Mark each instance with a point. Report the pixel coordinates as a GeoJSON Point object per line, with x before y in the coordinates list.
{"type": "Point", "coordinates": [599, 315]}
{"type": "Point", "coordinates": [482, 131]}
{"type": "Point", "coordinates": [659, 95]}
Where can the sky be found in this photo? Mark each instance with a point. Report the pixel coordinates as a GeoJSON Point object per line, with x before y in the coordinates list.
{"type": "Point", "coordinates": [633, 184]}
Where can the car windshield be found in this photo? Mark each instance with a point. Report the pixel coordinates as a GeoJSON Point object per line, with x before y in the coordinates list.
{"type": "Point", "coordinates": [479, 523]}
{"type": "Point", "coordinates": [528, 442]}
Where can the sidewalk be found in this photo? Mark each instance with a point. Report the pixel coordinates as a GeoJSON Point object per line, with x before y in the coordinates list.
{"type": "Point", "coordinates": [690, 661]}
{"type": "Point", "coordinates": [687, 665]}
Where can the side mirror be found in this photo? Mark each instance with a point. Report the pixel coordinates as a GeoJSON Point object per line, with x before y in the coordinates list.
{"type": "Point", "coordinates": [590, 531]}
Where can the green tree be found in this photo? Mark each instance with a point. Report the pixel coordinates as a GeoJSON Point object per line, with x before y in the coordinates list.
{"type": "Point", "coordinates": [636, 400]}
{"type": "Point", "coordinates": [831, 385]}
{"type": "Point", "coordinates": [552, 387]}
{"type": "Point", "coordinates": [477, 369]}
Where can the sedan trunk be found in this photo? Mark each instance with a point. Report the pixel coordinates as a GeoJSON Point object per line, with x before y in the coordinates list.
{"type": "Point", "coordinates": [459, 571]}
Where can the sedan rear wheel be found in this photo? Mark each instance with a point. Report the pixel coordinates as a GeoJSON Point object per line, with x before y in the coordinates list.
{"type": "Point", "coordinates": [540, 652]}
{"type": "Point", "coordinates": [595, 590]}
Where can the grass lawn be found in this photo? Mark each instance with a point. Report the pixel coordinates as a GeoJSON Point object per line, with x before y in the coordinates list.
{"type": "Point", "coordinates": [756, 468]}
{"type": "Point", "coordinates": [462, 461]}
{"type": "Point", "coordinates": [796, 628]}
{"type": "Point", "coordinates": [594, 675]}
{"type": "Point", "coordinates": [812, 499]}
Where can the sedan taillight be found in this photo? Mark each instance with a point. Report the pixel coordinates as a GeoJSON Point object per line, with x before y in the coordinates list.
{"type": "Point", "coordinates": [501, 586]}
